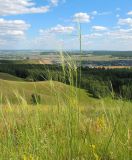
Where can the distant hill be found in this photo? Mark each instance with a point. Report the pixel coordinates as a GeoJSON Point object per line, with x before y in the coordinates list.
{"type": "Point", "coordinates": [98, 53]}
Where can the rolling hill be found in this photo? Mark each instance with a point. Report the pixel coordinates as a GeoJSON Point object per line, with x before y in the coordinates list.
{"type": "Point", "coordinates": [6, 76]}
{"type": "Point", "coordinates": [49, 91]}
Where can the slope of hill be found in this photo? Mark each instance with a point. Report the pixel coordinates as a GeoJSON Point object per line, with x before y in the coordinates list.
{"type": "Point", "coordinates": [15, 91]}
{"type": "Point", "coordinates": [99, 130]}
{"type": "Point", "coordinates": [6, 76]}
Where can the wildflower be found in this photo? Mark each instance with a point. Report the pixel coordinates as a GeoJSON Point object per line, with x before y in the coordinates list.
{"type": "Point", "coordinates": [93, 146]}
{"type": "Point", "coordinates": [29, 157]}
{"type": "Point", "coordinates": [94, 152]}
{"type": "Point", "coordinates": [101, 122]}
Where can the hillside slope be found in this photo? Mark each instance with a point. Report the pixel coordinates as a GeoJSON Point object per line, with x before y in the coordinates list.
{"type": "Point", "coordinates": [6, 76]}
{"type": "Point", "coordinates": [49, 91]}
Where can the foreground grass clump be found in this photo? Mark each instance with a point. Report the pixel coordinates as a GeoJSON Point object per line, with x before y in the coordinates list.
{"type": "Point", "coordinates": [66, 132]}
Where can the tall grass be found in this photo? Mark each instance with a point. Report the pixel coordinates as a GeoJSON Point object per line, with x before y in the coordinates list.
{"type": "Point", "coordinates": [66, 129]}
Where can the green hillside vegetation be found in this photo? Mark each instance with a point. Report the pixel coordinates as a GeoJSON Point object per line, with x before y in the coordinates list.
{"type": "Point", "coordinates": [65, 129]}
{"type": "Point", "coordinates": [6, 76]}
{"type": "Point", "coordinates": [15, 92]}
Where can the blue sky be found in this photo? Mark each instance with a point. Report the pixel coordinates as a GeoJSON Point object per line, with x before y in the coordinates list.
{"type": "Point", "coordinates": [53, 24]}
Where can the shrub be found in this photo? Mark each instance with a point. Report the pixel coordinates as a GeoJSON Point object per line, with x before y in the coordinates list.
{"type": "Point", "coordinates": [35, 99]}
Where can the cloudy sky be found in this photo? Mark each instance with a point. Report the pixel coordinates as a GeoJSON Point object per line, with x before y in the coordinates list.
{"type": "Point", "coordinates": [53, 24]}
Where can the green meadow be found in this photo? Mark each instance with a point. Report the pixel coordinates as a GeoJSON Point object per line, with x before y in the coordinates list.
{"type": "Point", "coordinates": [68, 123]}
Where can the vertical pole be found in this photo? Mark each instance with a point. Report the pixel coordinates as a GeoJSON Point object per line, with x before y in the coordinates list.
{"type": "Point", "coordinates": [80, 37]}
{"type": "Point", "coordinates": [80, 41]}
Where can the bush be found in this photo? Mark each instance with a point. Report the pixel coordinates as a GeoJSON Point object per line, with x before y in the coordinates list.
{"type": "Point", "coordinates": [35, 99]}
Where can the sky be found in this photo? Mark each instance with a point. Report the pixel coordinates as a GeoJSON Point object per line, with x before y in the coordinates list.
{"type": "Point", "coordinates": [54, 24]}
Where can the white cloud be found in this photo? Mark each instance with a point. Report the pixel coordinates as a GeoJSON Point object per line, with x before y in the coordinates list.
{"type": "Point", "coordinates": [55, 2]}
{"type": "Point", "coordinates": [13, 7]}
{"type": "Point", "coordinates": [96, 13]}
{"type": "Point", "coordinates": [112, 39]}
{"type": "Point", "coordinates": [81, 17]}
{"type": "Point", "coordinates": [121, 34]}
{"type": "Point", "coordinates": [130, 13]}
{"type": "Point", "coordinates": [127, 21]}
{"type": "Point", "coordinates": [59, 29]}
{"type": "Point", "coordinates": [13, 27]}
{"type": "Point", "coordinates": [92, 35]}
{"type": "Point", "coordinates": [99, 28]}
{"type": "Point", "coordinates": [12, 30]}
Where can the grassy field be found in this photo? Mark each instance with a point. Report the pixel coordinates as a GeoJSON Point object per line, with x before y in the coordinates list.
{"type": "Point", "coordinates": [97, 131]}
{"type": "Point", "coordinates": [68, 124]}
{"type": "Point", "coordinates": [15, 92]}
